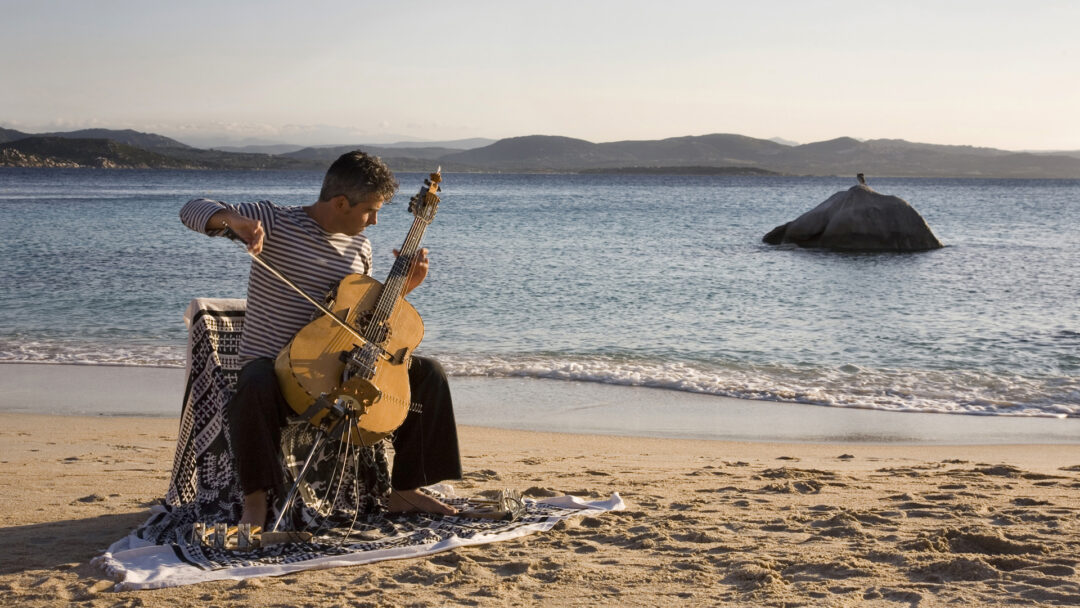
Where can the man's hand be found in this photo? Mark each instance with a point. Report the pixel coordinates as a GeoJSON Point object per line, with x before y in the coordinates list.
{"type": "Point", "coordinates": [418, 270]}
{"type": "Point", "coordinates": [249, 230]}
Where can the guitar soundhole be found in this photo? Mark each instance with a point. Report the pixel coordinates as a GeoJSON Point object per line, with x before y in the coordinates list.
{"type": "Point", "coordinates": [378, 333]}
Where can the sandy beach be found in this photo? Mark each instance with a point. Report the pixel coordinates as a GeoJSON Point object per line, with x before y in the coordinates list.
{"type": "Point", "coordinates": [708, 522]}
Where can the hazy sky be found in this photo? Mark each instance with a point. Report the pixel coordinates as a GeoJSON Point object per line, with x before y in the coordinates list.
{"type": "Point", "coordinates": [1003, 74]}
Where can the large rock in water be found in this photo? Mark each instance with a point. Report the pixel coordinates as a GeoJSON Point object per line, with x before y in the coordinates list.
{"type": "Point", "coordinates": [858, 219]}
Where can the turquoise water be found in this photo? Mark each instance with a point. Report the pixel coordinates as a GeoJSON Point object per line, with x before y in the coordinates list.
{"type": "Point", "coordinates": [640, 280]}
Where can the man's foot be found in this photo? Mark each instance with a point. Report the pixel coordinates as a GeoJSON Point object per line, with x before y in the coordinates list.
{"type": "Point", "coordinates": [415, 501]}
{"type": "Point", "coordinates": [254, 509]}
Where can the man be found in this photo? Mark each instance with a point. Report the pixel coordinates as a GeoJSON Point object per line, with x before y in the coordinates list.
{"type": "Point", "coordinates": [316, 246]}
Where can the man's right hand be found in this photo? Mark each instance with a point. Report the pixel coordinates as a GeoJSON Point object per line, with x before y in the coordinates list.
{"type": "Point", "coordinates": [249, 230]}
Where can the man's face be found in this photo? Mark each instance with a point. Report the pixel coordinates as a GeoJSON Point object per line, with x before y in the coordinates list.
{"type": "Point", "coordinates": [354, 218]}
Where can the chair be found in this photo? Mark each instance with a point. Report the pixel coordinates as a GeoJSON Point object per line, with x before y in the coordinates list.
{"type": "Point", "coordinates": [204, 485]}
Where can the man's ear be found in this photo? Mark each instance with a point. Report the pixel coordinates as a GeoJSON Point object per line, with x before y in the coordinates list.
{"type": "Point", "coordinates": [340, 203]}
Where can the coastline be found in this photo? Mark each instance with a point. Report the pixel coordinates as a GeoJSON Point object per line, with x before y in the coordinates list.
{"type": "Point", "coordinates": [558, 406]}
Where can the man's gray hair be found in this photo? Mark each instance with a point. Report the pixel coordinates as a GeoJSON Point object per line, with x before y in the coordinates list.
{"type": "Point", "coordinates": [356, 175]}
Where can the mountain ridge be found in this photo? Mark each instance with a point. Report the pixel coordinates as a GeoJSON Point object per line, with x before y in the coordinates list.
{"type": "Point", "coordinates": [555, 153]}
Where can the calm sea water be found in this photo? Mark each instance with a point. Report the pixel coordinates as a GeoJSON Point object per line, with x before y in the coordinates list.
{"type": "Point", "coordinates": [657, 281]}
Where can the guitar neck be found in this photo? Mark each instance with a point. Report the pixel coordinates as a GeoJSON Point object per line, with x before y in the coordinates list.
{"type": "Point", "coordinates": [394, 287]}
{"type": "Point", "coordinates": [423, 207]}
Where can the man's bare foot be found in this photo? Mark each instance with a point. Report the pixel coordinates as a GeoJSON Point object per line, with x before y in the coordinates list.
{"type": "Point", "coordinates": [415, 501]}
{"type": "Point", "coordinates": [254, 509]}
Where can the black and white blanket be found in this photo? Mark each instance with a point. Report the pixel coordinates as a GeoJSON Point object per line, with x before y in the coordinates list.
{"type": "Point", "coordinates": [343, 508]}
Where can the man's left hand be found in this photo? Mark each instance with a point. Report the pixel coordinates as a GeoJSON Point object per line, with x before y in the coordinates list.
{"type": "Point", "coordinates": [418, 271]}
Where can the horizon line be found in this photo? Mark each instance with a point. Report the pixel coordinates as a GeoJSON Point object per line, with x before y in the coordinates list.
{"type": "Point", "coordinates": [418, 142]}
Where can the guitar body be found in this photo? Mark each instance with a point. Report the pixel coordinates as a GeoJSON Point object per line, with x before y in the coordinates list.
{"type": "Point", "coordinates": [312, 363]}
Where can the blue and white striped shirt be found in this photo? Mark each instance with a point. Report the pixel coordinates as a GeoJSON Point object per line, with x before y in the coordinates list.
{"type": "Point", "coordinates": [296, 245]}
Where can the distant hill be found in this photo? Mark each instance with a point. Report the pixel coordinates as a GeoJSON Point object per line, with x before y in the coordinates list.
{"type": "Point", "coordinates": [328, 155]}
{"type": "Point", "coordinates": [400, 159]}
{"type": "Point", "coordinates": [7, 135]}
{"type": "Point", "coordinates": [126, 149]}
{"type": "Point", "coordinates": [1069, 153]}
{"type": "Point", "coordinates": [146, 141]}
{"type": "Point", "coordinates": [840, 156]}
{"type": "Point", "coordinates": [715, 153]}
{"type": "Point", "coordinates": [216, 159]}
{"type": "Point", "coordinates": [259, 148]}
{"type": "Point", "coordinates": [41, 151]}
{"type": "Point", "coordinates": [538, 152]}
{"type": "Point", "coordinates": [786, 142]}
{"type": "Point", "coordinates": [456, 144]}
{"type": "Point", "coordinates": [900, 158]}
{"type": "Point", "coordinates": [48, 151]}
{"type": "Point", "coordinates": [563, 153]}
{"type": "Point", "coordinates": [449, 146]}
{"type": "Point", "coordinates": [719, 149]}
{"type": "Point", "coordinates": [746, 171]}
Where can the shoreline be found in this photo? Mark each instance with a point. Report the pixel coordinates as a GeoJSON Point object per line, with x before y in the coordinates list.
{"type": "Point", "coordinates": [560, 407]}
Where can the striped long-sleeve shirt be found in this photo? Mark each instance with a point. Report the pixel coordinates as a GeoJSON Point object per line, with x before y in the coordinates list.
{"type": "Point", "coordinates": [295, 244]}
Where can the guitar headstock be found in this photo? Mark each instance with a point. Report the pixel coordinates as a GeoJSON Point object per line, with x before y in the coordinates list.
{"type": "Point", "coordinates": [426, 202]}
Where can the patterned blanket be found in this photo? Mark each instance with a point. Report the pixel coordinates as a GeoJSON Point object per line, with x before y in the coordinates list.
{"type": "Point", "coordinates": [342, 503]}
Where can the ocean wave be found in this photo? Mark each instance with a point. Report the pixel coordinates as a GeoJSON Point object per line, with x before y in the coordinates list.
{"type": "Point", "coordinates": [852, 386]}
{"type": "Point", "coordinates": [954, 392]}
{"type": "Point", "coordinates": [65, 352]}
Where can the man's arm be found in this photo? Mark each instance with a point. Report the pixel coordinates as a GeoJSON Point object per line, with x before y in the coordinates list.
{"type": "Point", "coordinates": [249, 230]}
{"type": "Point", "coordinates": [213, 218]}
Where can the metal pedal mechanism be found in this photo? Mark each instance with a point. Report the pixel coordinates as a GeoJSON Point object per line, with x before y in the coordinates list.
{"type": "Point", "coordinates": [242, 537]}
{"type": "Point", "coordinates": [507, 505]}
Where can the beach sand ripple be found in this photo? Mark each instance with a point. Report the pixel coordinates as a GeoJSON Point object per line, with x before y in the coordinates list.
{"type": "Point", "coordinates": [707, 523]}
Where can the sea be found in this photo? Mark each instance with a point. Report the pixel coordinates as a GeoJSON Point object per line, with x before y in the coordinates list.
{"type": "Point", "coordinates": [639, 280]}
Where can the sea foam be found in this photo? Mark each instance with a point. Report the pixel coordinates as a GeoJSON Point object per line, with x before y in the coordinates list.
{"type": "Point", "coordinates": [845, 386]}
{"type": "Point", "coordinates": [852, 386]}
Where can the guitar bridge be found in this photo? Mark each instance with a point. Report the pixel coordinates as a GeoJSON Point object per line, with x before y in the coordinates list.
{"type": "Point", "coordinates": [361, 361]}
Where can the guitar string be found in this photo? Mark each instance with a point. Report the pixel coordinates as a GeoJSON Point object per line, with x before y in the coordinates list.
{"type": "Point", "coordinates": [319, 504]}
{"type": "Point", "coordinates": [395, 284]}
{"type": "Point", "coordinates": [343, 447]}
{"type": "Point", "coordinates": [398, 275]}
{"type": "Point", "coordinates": [349, 424]}
{"type": "Point", "coordinates": [400, 272]}
{"type": "Point", "coordinates": [356, 498]}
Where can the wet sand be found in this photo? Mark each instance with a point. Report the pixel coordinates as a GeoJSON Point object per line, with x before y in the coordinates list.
{"type": "Point", "coordinates": [557, 406]}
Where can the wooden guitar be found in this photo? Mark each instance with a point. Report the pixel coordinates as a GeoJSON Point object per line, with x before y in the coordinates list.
{"type": "Point", "coordinates": [327, 363]}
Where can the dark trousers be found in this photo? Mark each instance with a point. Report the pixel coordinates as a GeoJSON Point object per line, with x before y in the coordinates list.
{"type": "Point", "coordinates": [425, 445]}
